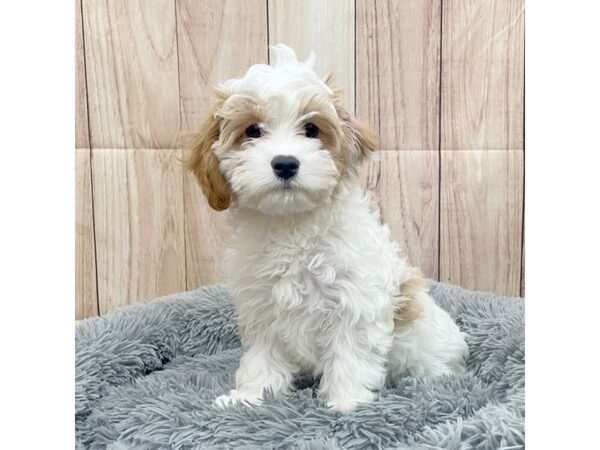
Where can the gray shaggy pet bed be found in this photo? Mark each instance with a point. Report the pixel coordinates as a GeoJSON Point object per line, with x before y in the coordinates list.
{"type": "Point", "coordinates": [146, 377]}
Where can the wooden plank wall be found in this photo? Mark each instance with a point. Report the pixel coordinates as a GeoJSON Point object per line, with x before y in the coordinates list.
{"type": "Point", "coordinates": [441, 81]}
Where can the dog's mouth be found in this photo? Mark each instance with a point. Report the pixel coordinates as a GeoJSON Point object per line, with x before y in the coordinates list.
{"type": "Point", "coordinates": [288, 186]}
{"type": "Point", "coordinates": [288, 197]}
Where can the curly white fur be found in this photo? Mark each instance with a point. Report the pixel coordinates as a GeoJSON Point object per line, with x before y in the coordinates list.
{"type": "Point", "coordinates": [315, 277]}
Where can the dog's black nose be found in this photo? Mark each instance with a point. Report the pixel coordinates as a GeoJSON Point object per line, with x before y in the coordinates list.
{"type": "Point", "coordinates": [285, 166]}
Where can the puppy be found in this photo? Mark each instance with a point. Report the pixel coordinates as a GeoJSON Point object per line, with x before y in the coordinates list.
{"type": "Point", "coordinates": [318, 285]}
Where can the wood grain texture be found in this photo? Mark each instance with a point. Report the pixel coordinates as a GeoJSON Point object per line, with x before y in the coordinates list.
{"type": "Point", "coordinates": [327, 27]}
{"type": "Point", "coordinates": [86, 301]}
{"type": "Point", "coordinates": [397, 71]}
{"type": "Point", "coordinates": [206, 237]}
{"type": "Point", "coordinates": [481, 219]}
{"type": "Point", "coordinates": [482, 74]}
{"type": "Point", "coordinates": [405, 187]}
{"type": "Point", "coordinates": [131, 61]}
{"type": "Point", "coordinates": [405, 64]}
{"type": "Point", "coordinates": [217, 41]}
{"type": "Point", "coordinates": [81, 118]}
{"type": "Point", "coordinates": [522, 290]}
{"type": "Point", "coordinates": [138, 204]}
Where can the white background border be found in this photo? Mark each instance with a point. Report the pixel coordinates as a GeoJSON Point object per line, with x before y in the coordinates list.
{"type": "Point", "coordinates": [562, 225]}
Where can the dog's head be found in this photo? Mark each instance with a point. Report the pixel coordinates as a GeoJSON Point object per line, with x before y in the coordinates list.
{"type": "Point", "coordinates": [277, 139]}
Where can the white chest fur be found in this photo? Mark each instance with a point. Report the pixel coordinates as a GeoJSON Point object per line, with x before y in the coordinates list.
{"type": "Point", "coordinates": [299, 281]}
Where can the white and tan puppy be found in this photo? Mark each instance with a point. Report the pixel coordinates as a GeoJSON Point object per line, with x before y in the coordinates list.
{"type": "Point", "coordinates": [319, 287]}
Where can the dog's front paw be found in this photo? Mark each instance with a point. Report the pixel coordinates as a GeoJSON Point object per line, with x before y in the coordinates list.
{"type": "Point", "coordinates": [346, 403]}
{"type": "Point", "coordinates": [343, 405]}
{"type": "Point", "coordinates": [234, 397]}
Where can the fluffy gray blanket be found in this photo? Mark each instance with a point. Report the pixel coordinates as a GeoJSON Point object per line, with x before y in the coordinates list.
{"type": "Point", "coordinates": [146, 377]}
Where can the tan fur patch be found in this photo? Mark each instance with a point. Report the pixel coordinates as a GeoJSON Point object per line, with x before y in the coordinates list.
{"type": "Point", "coordinates": [330, 82]}
{"type": "Point", "coordinates": [238, 113]}
{"type": "Point", "coordinates": [205, 165]}
{"type": "Point", "coordinates": [408, 291]}
{"type": "Point", "coordinates": [366, 138]}
{"type": "Point", "coordinates": [341, 134]}
{"type": "Point", "coordinates": [317, 109]}
{"type": "Point", "coordinates": [357, 134]}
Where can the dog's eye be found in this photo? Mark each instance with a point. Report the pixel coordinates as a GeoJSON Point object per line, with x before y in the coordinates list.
{"type": "Point", "coordinates": [311, 130]}
{"type": "Point", "coordinates": [253, 131]}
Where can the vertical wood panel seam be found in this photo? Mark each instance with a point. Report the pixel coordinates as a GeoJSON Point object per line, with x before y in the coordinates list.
{"type": "Point", "coordinates": [355, 31]}
{"type": "Point", "coordinates": [178, 70]}
{"type": "Point", "coordinates": [268, 33]}
{"type": "Point", "coordinates": [521, 285]}
{"type": "Point", "coordinates": [377, 71]}
{"type": "Point", "coordinates": [183, 174]}
{"type": "Point", "coordinates": [178, 145]}
{"type": "Point", "coordinates": [440, 74]}
{"type": "Point", "coordinates": [89, 132]}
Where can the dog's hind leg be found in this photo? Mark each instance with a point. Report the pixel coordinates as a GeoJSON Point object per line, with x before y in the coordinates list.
{"type": "Point", "coordinates": [429, 344]}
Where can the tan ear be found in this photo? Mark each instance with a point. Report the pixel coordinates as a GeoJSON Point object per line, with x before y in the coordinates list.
{"type": "Point", "coordinates": [360, 136]}
{"type": "Point", "coordinates": [205, 165]}
{"type": "Point", "coordinates": [366, 139]}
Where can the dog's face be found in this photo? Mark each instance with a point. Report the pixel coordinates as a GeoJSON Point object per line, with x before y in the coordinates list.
{"type": "Point", "coordinates": [277, 140]}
